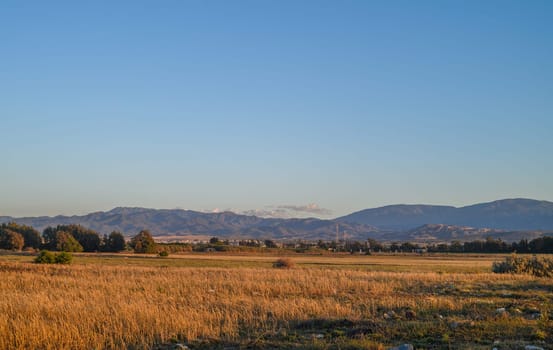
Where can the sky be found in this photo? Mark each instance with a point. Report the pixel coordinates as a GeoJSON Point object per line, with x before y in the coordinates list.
{"type": "Point", "coordinates": [298, 108]}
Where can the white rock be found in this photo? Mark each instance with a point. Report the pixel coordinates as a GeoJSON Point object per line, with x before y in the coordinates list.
{"type": "Point", "coordinates": [180, 347]}
{"type": "Point", "coordinates": [532, 347]}
{"type": "Point", "coordinates": [403, 347]}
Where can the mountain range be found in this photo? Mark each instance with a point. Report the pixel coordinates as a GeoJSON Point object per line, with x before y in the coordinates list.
{"type": "Point", "coordinates": [506, 214]}
{"type": "Point", "coordinates": [509, 219]}
{"type": "Point", "coordinates": [161, 222]}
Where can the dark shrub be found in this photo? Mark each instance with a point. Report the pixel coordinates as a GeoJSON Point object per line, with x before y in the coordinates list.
{"type": "Point", "coordinates": [539, 267]}
{"type": "Point", "coordinates": [143, 242]}
{"type": "Point", "coordinates": [283, 263]}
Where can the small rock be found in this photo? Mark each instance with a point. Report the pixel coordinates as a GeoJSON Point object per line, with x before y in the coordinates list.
{"type": "Point", "coordinates": [318, 336]}
{"type": "Point", "coordinates": [501, 310]}
{"type": "Point", "coordinates": [179, 346]}
{"type": "Point", "coordinates": [532, 347]}
{"type": "Point", "coordinates": [454, 325]}
{"type": "Point", "coordinates": [403, 347]}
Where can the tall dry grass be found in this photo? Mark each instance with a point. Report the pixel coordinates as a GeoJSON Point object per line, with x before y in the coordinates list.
{"type": "Point", "coordinates": [120, 307]}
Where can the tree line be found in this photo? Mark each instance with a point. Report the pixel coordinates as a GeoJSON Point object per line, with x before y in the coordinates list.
{"type": "Point", "coordinates": [540, 245]}
{"type": "Point", "coordinates": [76, 238]}
{"type": "Point", "coordinates": [71, 238]}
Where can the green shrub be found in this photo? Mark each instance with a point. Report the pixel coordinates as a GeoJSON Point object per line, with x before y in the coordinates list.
{"type": "Point", "coordinates": [45, 257]}
{"type": "Point", "coordinates": [163, 253]}
{"type": "Point", "coordinates": [537, 266]}
{"type": "Point", "coordinates": [64, 258]}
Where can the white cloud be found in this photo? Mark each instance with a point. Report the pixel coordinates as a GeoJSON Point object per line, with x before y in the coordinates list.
{"type": "Point", "coordinates": [288, 211]}
{"type": "Point", "coordinates": [308, 208]}
{"type": "Point", "coordinates": [280, 211]}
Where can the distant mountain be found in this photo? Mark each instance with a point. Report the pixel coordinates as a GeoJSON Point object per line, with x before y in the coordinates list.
{"type": "Point", "coordinates": [509, 219]}
{"type": "Point", "coordinates": [187, 222]}
{"type": "Point", "coordinates": [507, 214]}
{"type": "Point", "coordinates": [400, 217]}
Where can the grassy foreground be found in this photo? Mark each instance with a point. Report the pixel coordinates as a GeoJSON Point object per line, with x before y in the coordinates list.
{"type": "Point", "coordinates": [125, 302]}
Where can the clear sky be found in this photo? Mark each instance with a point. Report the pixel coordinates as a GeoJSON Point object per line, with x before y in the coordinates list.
{"type": "Point", "coordinates": [270, 105]}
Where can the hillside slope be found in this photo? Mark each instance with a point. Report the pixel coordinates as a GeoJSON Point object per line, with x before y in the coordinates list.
{"type": "Point", "coordinates": [507, 214]}
{"type": "Point", "coordinates": [187, 222]}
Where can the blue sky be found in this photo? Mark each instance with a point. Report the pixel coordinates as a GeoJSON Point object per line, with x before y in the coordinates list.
{"type": "Point", "coordinates": [261, 105]}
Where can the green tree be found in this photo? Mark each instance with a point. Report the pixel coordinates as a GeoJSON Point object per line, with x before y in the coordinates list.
{"type": "Point", "coordinates": [30, 235]}
{"type": "Point", "coordinates": [374, 246]}
{"type": "Point", "coordinates": [87, 238]}
{"type": "Point", "coordinates": [11, 240]}
{"type": "Point", "coordinates": [67, 243]}
{"type": "Point", "coordinates": [115, 242]}
{"type": "Point", "coordinates": [143, 242]}
{"type": "Point", "coordinates": [270, 243]}
{"type": "Point", "coordinates": [49, 238]}
{"type": "Point", "coordinates": [456, 247]}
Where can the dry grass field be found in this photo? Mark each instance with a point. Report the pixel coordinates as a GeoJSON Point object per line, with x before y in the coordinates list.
{"type": "Point", "coordinates": [218, 301]}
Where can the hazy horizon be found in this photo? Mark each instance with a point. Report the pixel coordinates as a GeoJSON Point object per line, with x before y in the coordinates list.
{"type": "Point", "coordinates": [274, 105]}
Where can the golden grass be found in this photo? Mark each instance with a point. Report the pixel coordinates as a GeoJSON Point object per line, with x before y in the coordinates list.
{"type": "Point", "coordinates": [97, 306]}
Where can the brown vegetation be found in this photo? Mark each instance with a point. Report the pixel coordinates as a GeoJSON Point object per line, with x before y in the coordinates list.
{"type": "Point", "coordinates": [136, 307]}
{"type": "Point", "coordinates": [284, 263]}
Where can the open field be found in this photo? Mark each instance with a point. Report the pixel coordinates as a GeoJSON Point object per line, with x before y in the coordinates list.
{"type": "Point", "coordinates": [440, 263]}
{"type": "Point", "coordinates": [223, 301]}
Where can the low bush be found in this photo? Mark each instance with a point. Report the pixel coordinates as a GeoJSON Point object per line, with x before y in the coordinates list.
{"type": "Point", "coordinates": [47, 257]}
{"type": "Point", "coordinates": [163, 253]}
{"type": "Point", "coordinates": [283, 263]}
{"type": "Point", "coordinates": [64, 258]}
{"type": "Point", "coordinates": [536, 266]}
